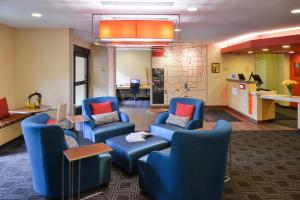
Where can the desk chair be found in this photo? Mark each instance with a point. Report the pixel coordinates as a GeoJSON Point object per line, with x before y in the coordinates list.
{"type": "Point", "coordinates": [134, 87]}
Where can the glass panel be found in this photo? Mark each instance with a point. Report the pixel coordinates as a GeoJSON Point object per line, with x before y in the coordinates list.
{"type": "Point", "coordinates": [80, 71]}
{"type": "Point", "coordinates": [80, 92]}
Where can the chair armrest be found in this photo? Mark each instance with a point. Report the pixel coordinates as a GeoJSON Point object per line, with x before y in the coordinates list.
{"type": "Point", "coordinates": [89, 123]}
{"type": "Point", "coordinates": [161, 118]}
{"type": "Point", "coordinates": [159, 158]}
{"type": "Point", "coordinates": [193, 124]}
{"type": "Point", "coordinates": [123, 117]}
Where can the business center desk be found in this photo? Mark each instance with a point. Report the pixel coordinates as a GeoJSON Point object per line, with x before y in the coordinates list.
{"type": "Point", "coordinates": [124, 92]}
{"type": "Point", "coordinates": [257, 105]}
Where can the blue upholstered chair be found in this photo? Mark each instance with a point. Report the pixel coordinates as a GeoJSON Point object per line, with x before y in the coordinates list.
{"type": "Point", "coordinates": [102, 132]}
{"type": "Point", "coordinates": [194, 167]}
{"type": "Point", "coordinates": [163, 130]}
{"type": "Point", "coordinates": [45, 145]}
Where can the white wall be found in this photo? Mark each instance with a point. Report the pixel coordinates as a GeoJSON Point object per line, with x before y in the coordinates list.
{"type": "Point", "coordinates": [43, 62]}
{"type": "Point", "coordinates": [132, 64]}
{"type": "Point", "coordinates": [7, 64]}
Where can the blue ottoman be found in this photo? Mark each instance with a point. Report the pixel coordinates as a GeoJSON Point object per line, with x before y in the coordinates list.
{"type": "Point", "coordinates": [126, 154]}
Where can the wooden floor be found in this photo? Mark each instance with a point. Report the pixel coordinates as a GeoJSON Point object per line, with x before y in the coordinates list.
{"type": "Point", "coordinates": [142, 117]}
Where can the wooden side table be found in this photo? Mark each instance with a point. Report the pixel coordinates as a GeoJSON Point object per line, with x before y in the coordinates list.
{"type": "Point", "coordinates": [80, 153]}
{"type": "Point", "coordinates": [26, 110]}
{"type": "Point", "coordinates": [78, 119]}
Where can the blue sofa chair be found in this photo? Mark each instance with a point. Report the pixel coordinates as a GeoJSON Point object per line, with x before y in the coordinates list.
{"type": "Point", "coordinates": [166, 131]}
{"type": "Point", "coordinates": [102, 132]}
{"type": "Point", "coordinates": [194, 167]}
{"type": "Point", "coordinates": [45, 145]}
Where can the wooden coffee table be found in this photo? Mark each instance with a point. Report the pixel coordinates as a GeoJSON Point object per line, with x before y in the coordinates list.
{"type": "Point", "coordinates": [80, 153]}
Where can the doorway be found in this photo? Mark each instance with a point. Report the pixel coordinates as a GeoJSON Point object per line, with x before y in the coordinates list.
{"type": "Point", "coordinates": [81, 76]}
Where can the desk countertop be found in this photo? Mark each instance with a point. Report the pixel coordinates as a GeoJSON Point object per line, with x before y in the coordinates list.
{"type": "Point", "coordinates": [128, 87]}
{"type": "Point", "coordinates": [281, 97]}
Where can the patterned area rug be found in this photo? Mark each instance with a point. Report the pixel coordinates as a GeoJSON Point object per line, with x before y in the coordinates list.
{"type": "Point", "coordinates": [265, 165]}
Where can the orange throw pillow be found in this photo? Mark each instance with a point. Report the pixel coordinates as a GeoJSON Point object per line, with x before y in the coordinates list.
{"type": "Point", "coordinates": [100, 108]}
{"type": "Point", "coordinates": [3, 108]}
{"type": "Point", "coordinates": [51, 121]}
{"type": "Point", "coordinates": [184, 110]}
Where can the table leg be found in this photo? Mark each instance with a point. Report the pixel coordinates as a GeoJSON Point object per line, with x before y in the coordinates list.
{"type": "Point", "coordinates": [69, 180]}
{"type": "Point", "coordinates": [72, 179]}
{"type": "Point", "coordinates": [63, 176]}
{"type": "Point", "coordinates": [79, 173]}
{"type": "Point", "coordinates": [298, 120]}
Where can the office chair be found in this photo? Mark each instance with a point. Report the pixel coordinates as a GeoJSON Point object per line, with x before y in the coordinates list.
{"type": "Point", "coordinates": [134, 87]}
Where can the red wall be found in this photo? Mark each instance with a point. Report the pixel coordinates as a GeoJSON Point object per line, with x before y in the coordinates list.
{"type": "Point", "coordinates": [295, 58]}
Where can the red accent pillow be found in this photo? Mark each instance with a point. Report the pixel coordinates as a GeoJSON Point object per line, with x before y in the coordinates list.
{"type": "Point", "coordinates": [3, 108]}
{"type": "Point", "coordinates": [51, 121]}
{"type": "Point", "coordinates": [184, 110]}
{"type": "Point", "coordinates": [100, 108]}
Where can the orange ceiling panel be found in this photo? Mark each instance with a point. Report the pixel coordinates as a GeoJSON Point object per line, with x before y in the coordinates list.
{"type": "Point", "coordinates": [136, 29]}
{"type": "Point", "coordinates": [117, 29]}
{"type": "Point", "coordinates": [155, 29]}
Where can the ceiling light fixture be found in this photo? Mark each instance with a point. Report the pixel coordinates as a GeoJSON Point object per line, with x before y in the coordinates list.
{"type": "Point", "coordinates": [286, 46]}
{"type": "Point", "coordinates": [265, 49]}
{"type": "Point", "coordinates": [37, 15]}
{"type": "Point", "coordinates": [177, 29]}
{"type": "Point", "coordinates": [291, 52]}
{"type": "Point", "coordinates": [295, 11]}
{"type": "Point", "coordinates": [192, 9]}
{"type": "Point", "coordinates": [257, 35]}
{"type": "Point", "coordinates": [250, 51]}
{"type": "Point", "coordinates": [136, 3]}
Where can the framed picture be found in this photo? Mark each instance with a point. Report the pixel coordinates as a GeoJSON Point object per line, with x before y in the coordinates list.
{"type": "Point", "coordinates": [296, 69]}
{"type": "Point", "coordinates": [215, 67]}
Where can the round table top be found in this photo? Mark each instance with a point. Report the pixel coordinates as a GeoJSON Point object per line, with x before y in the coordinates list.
{"type": "Point", "coordinates": [26, 110]}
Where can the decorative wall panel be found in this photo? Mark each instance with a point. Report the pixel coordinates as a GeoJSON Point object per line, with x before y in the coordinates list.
{"type": "Point", "coordinates": [185, 71]}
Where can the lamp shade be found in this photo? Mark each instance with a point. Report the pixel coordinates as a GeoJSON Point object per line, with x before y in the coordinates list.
{"type": "Point", "coordinates": [136, 30]}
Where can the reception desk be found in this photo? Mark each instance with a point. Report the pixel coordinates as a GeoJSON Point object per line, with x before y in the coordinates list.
{"type": "Point", "coordinates": [243, 97]}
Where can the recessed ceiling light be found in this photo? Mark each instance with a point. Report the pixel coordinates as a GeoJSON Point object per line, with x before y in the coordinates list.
{"type": "Point", "coordinates": [291, 52]}
{"type": "Point", "coordinates": [265, 49]}
{"type": "Point", "coordinates": [286, 46]}
{"type": "Point", "coordinates": [192, 9]}
{"type": "Point", "coordinates": [295, 11]}
{"type": "Point", "coordinates": [177, 29]}
{"type": "Point", "coordinates": [250, 51]}
{"type": "Point", "coordinates": [136, 3]}
{"type": "Point", "coordinates": [38, 15]}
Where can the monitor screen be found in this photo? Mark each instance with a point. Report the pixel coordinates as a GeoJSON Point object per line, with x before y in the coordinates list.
{"type": "Point", "coordinates": [241, 77]}
{"type": "Point", "coordinates": [134, 80]}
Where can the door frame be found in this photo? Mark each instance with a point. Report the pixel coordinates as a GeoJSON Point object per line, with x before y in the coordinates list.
{"type": "Point", "coordinates": [81, 52]}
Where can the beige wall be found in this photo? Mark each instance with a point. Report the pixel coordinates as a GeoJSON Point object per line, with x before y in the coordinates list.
{"type": "Point", "coordinates": [132, 64]}
{"type": "Point", "coordinates": [43, 64]}
{"type": "Point", "coordinates": [99, 71]}
{"type": "Point", "coordinates": [7, 64]}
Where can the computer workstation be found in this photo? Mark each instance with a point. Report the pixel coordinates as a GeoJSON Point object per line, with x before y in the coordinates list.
{"type": "Point", "coordinates": [133, 90]}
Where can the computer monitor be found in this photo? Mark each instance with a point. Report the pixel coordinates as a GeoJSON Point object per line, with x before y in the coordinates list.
{"type": "Point", "coordinates": [241, 77]}
{"type": "Point", "coordinates": [134, 81]}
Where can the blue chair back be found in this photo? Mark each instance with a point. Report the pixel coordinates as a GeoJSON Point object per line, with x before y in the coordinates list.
{"type": "Point", "coordinates": [87, 110]}
{"type": "Point", "coordinates": [45, 144]}
{"type": "Point", "coordinates": [198, 162]}
{"type": "Point", "coordinates": [199, 106]}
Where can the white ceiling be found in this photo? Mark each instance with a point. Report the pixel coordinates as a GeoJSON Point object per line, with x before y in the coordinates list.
{"type": "Point", "coordinates": [216, 20]}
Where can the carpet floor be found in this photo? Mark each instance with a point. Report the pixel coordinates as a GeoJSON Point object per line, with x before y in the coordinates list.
{"type": "Point", "coordinates": [265, 165]}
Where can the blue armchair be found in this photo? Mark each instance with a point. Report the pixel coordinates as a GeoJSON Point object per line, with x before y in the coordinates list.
{"type": "Point", "coordinates": [102, 132]}
{"type": "Point", "coordinates": [166, 131]}
{"type": "Point", "coordinates": [45, 145]}
{"type": "Point", "coordinates": [194, 167]}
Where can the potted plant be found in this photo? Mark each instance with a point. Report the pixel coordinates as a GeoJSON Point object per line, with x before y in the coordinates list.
{"type": "Point", "coordinates": [289, 84]}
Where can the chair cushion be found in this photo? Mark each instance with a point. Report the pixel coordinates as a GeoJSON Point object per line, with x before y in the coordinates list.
{"type": "Point", "coordinates": [105, 131]}
{"type": "Point", "coordinates": [100, 108]}
{"type": "Point", "coordinates": [126, 154]}
{"type": "Point", "coordinates": [177, 120]}
{"type": "Point", "coordinates": [164, 131]}
{"type": "Point", "coordinates": [3, 108]}
{"type": "Point", "coordinates": [51, 121]}
{"type": "Point", "coordinates": [105, 118]}
{"type": "Point", "coordinates": [71, 142]}
{"type": "Point", "coordinates": [184, 110]}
